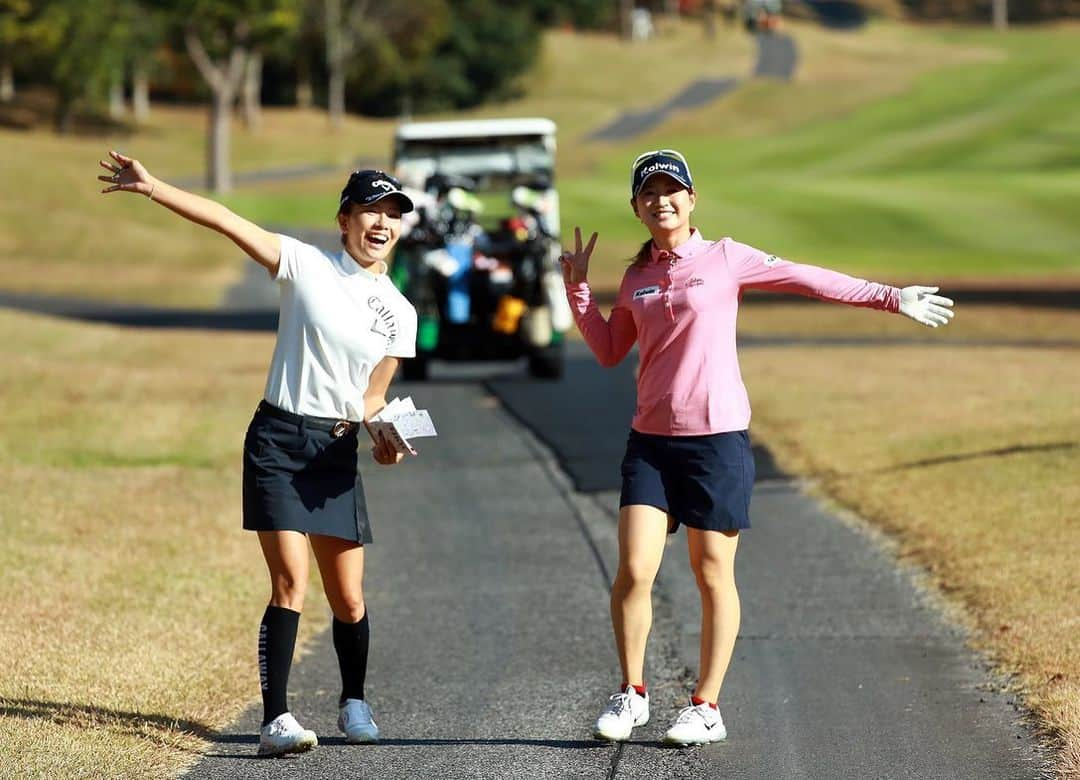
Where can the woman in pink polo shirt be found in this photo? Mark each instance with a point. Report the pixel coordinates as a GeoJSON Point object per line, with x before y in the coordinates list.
{"type": "Point", "coordinates": [688, 457]}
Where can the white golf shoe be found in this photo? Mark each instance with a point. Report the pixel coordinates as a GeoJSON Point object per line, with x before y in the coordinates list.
{"type": "Point", "coordinates": [696, 724]}
{"type": "Point", "coordinates": [623, 711]}
{"type": "Point", "coordinates": [355, 721]}
{"type": "Point", "coordinates": [284, 735]}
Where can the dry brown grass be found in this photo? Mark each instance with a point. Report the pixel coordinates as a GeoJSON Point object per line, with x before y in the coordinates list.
{"type": "Point", "coordinates": [974, 323]}
{"type": "Point", "coordinates": [60, 236]}
{"type": "Point", "coordinates": [968, 457]}
{"type": "Point", "coordinates": [129, 623]}
{"type": "Point", "coordinates": [132, 596]}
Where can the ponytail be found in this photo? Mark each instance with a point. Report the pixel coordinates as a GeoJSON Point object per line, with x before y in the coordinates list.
{"type": "Point", "coordinates": [643, 256]}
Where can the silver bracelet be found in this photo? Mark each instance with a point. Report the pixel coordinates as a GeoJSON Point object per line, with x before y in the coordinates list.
{"type": "Point", "coordinates": [151, 193]}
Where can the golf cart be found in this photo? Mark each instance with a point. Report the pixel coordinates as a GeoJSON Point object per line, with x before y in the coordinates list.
{"type": "Point", "coordinates": [479, 256]}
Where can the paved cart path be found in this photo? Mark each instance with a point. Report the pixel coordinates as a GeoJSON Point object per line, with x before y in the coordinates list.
{"type": "Point", "coordinates": [491, 655]}
{"type": "Point", "coordinates": [777, 57]}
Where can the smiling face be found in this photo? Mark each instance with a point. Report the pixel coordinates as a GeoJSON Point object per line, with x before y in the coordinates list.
{"type": "Point", "coordinates": [370, 232]}
{"type": "Point", "coordinates": [664, 206]}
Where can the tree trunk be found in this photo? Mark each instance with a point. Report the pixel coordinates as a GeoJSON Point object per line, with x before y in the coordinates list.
{"type": "Point", "coordinates": [65, 110]}
{"type": "Point", "coordinates": [218, 168]}
{"type": "Point", "coordinates": [252, 92]}
{"type": "Point", "coordinates": [305, 94]}
{"type": "Point", "coordinates": [626, 8]}
{"type": "Point", "coordinates": [224, 81]}
{"type": "Point", "coordinates": [335, 63]}
{"type": "Point", "coordinates": [1001, 14]}
{"type": "Point", "coordinates": [7, 82]}
{"type": "Point", "coordinates": [140, 92]}
{"type": "Point", "coordinates": [336, 99]}
{"type": "Point", "coordinates": [116, 94]}
{"type": "Point", "coordinates": [708, 19]}
{"type": "Point", "coordinates": [340, 44]}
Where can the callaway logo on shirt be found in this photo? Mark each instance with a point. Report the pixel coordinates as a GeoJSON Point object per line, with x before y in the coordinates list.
{"type": "Point", "coordinates": [771, 260]}
{"type": "Point", "coordinates": [653, 290]}
{"type": "Point", "coordinates": [385, 323]}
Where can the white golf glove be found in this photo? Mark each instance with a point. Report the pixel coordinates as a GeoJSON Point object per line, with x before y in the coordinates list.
{"type": "Point", "coordinates": [924, 307]}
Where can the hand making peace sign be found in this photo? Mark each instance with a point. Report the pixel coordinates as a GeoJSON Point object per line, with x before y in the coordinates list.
{"type": "Point", "coordinates": [575, 265]}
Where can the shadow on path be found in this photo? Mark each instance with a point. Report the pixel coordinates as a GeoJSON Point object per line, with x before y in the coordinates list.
{"type": "Point", "coordinates": [837, 14]}
{"type": "Point", "coordinates": [88, 715]}
{"type": "Point", "coordinates": [587, 457]}
{"type": "Point", "coordinates": [1020, 449]}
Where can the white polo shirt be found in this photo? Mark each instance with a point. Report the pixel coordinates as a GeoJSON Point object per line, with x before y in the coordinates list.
{"type": "Point", "coordinates": [337, 321]}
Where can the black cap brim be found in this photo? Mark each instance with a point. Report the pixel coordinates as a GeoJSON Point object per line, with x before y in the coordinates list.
{"type": "Point", "coordinates": [406, 202]}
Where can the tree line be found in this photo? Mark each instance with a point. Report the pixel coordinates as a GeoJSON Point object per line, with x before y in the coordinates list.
{"type": "Point", "coordinates": [377, 57]}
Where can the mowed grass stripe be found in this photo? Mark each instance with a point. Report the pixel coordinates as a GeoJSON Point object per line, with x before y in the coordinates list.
{"type": "Point", "coordinates": [1010, 106]}
{"type": "Point", "coordinates": [990, 224]}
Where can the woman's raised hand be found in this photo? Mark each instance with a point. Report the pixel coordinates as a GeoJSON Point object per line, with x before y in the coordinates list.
{"type": "Point", "coordinates": [126, 175]}
{"type": "Point", "coordinates": [575, 265]}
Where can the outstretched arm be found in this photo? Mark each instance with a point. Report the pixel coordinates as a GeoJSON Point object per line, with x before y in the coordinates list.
{"type": "Point", "coordinates": [753, 268]}
{"type": "Point", "coordinates": [127, 174]}
{"type": "Point", "coordinates": [610, 340]}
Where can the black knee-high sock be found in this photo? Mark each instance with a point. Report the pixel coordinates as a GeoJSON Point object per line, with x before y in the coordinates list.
{"type": "Point", "coordinates": [277, 639]}
{"type": "Point", "coordinates": [351, 643]}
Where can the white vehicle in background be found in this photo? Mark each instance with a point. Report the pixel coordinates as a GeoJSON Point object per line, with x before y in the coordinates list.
{"type": "Point", "coordinates": [479, 257]}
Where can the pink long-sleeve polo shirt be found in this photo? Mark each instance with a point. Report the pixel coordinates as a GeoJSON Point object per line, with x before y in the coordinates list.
{"type": "Point", "coordinates": [681, 309]}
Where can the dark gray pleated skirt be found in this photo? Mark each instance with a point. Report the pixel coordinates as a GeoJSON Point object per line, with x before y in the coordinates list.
{"type": "Point", "coordinates": [300, 474]}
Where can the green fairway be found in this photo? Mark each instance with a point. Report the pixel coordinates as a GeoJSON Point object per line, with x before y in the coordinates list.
{"type": "Point", "coordinates": [953, 156]}
{"type": "Point", "coordinates": [971, 169]}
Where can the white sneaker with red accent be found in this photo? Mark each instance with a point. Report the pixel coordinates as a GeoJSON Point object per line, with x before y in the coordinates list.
{"type": "Point", "coordinates": [623, 712]}
{"type": "Point", "coordinates": [284, 735]}
{"type": "Point", "coordinates": [696, 724]}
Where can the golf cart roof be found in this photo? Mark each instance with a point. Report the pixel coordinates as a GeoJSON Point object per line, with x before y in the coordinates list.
{"type": "Point", "coordinates": [475, 128]}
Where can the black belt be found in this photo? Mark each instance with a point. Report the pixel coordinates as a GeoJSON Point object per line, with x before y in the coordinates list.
{"type": "Point", "coordinates": [336, 428]}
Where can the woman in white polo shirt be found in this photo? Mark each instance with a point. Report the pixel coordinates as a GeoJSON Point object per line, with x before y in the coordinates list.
{"type": "Point", "coordinates": [343, 327]}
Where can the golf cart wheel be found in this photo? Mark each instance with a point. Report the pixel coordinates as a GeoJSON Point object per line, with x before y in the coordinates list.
{"type": "Point", "coordinates": [547, 363]}
{"type": "Point", "coordinates": [415, 369]}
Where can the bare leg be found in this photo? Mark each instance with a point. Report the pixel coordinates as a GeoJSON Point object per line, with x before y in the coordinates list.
{"type": "Point", "coordinates": [712, 557]}
{"type": "Point", "coordinates": [286, 555]}
{"type": "Point", "coordinates": [642, 534]}
{"type": "Point", "coordinates": [341, 566]}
